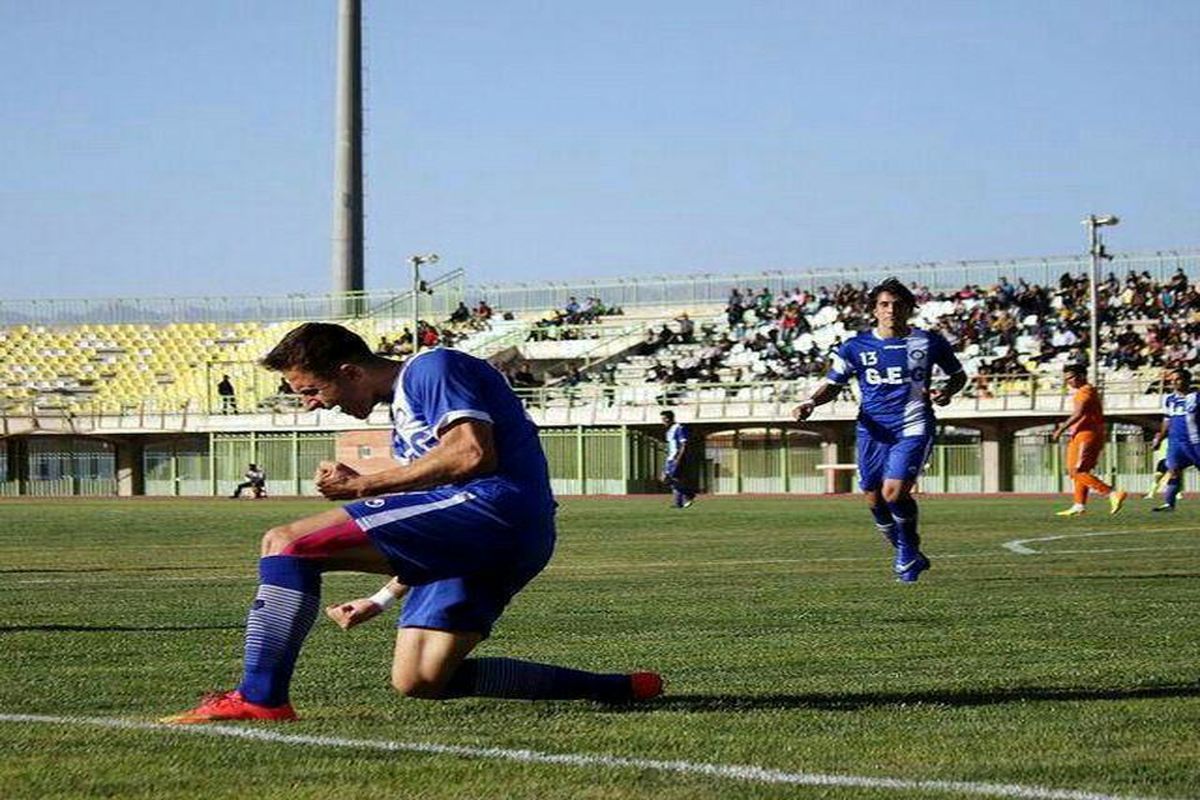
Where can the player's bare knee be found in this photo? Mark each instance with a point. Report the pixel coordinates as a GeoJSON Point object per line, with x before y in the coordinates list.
{"type": "Point", "coordinates": [416, 687]}
{"type": "Point", "coordinates": [276, 541]}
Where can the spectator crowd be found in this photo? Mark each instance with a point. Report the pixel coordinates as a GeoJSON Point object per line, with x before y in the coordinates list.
{"type": "Point", "coordinates": [1007, 329]}
{"type": "Point", "coordinates": [1003, 331]}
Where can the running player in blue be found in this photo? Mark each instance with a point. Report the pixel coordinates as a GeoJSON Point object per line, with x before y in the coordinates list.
{"type": "Point", "coordinates": [894, 366]}
{"type": "Point", "coordinates": [677, 451]}
{"type": "Point", "coordinates": [1181, 428]}
{"type": "Point", "coordinates": [463, 523]}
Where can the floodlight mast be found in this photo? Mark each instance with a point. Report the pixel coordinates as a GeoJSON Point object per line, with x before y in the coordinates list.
{"type": "Point", "coordinates": [1096, 248]}
{"type": "Point", "coordinates": [347, 259]}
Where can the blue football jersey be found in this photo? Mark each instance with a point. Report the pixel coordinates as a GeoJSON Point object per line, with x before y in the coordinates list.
{"type": "Point", "coordinates": [894, 377]}
{"type": "Point", "coordinates": [677, 436]}
{"type": "Point", "coordinates": [1182, 412]}
{"type": "Point", "coordinates": [437, 387]}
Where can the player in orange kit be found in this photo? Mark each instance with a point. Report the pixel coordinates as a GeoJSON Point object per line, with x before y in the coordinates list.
{"type": "Point", "coordinates": [1086, 428]}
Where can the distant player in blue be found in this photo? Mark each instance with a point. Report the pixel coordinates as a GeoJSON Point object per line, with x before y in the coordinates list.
{"type": "Point", "coordinates": [677, 451]}
{"type": "Point", "coordinates": [894, 365]}
{"type": "Point", "coordinates": [463, 523]}
{"type": "Point", "coordinates": [1181, 428]}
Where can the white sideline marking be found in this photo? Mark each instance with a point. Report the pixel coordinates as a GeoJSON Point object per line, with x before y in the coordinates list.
{"type": "Point", "coordinates": [1018, 545]}
{"type": "Point", "coordinates": [739, 772]}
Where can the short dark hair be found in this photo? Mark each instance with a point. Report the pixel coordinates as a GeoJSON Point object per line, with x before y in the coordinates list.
{"type": "Point", "coordinates": [895, 287]}
{"type": "Point", "coordinates": [319, 348]}
{"type": "Point", "coordinates": [668, 414]}
{"type": "Point", "coordinates": [1076, 369]}
{"type": "Point", "coordinates": [1184, 373]}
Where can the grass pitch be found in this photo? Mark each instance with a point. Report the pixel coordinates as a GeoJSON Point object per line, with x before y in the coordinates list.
{"type": "Point", "coordinates": [785, 643]}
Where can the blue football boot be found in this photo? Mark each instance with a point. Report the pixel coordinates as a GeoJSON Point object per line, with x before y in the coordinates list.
{"type": "Point", "coordinates": [909, 565]}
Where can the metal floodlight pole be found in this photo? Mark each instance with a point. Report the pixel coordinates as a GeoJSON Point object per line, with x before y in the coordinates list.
{"type": "Point", "coordinates": [1096, 249]}
{"type": "Point", "coordinates": [417, 262]}
{"type": "Point", "coordinates": [347, 261]}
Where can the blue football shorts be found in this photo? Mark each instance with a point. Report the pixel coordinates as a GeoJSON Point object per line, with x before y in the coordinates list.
{"type": "Point", "coordinates": [1181, 455]}
{"type": "Point", "coordinates": [900, 458]}
{"type": "Point", "coordinates": [462, 560]}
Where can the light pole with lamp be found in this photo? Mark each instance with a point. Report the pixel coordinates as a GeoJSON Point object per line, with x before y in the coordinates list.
{"type": "Point", "coordinates": [417, 262]}
{"type": "Point", "coordinates": [1096, 247]}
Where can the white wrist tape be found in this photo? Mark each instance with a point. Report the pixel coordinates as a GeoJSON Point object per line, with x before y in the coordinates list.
{"type": "Point", "coordinates": [384, 598]}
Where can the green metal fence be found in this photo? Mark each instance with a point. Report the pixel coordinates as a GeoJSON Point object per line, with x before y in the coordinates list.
{"type": "Point", "coordinates": [179, 467]}
{"type": "Point", "coordinates": [582, 460]}
{"type": "Point", "coordinates": [953, 468]}
{"type": "Point", "coordinates": [61, 466]}
{"type": "Point", "coordinates": [613, 460]}
{"type": "Point", "coordinates": [767, 461]}
{"type": "Point", "coordinates": [215, 465]}
{"type": "Point", "coordinates": [1127, 462]}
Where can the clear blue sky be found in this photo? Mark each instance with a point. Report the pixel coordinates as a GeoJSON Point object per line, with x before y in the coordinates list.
{"type": "Point", "coordinates": [167, 147]}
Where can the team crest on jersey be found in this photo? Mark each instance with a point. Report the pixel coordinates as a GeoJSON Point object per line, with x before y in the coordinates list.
{"type": "Point", "coordinates": [918, 355]}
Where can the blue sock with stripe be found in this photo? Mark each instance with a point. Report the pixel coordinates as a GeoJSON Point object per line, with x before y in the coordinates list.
{"type": "Point", "coordinates": [884, 522]}
{"type": "Point", "coordinates": [528, 680]}
{"type": "Point", "coordinates": [908, 541]}
{"type": "Point", "coordinates": [283, 612]}
{"type": "Point", "coordinates": [1172, 492]}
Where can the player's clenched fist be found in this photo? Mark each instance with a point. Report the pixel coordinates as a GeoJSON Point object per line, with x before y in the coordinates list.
{"type": "Point", "coordinates": [353, 612]}
{"type": "Point", "coordinates": [336, 481]}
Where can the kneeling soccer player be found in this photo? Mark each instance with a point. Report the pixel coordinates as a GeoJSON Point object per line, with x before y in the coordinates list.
{"type": "Point", "coordinates": [463, 523]}
{"type": "Point", "coordinates": [894, 366]}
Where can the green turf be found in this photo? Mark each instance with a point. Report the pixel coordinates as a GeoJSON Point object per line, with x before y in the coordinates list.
{"type": "Point", "coordinates": [785, 643]}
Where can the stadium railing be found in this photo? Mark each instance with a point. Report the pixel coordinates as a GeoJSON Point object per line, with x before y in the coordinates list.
{"type": "Point", "coordinates": [710, 288]}
{"type": "Point", "coordinates": [667, 291]}
{"type": "Point", "coordinates": [593, 402]}
{"type": "Point", "coordinates": [394, 304]}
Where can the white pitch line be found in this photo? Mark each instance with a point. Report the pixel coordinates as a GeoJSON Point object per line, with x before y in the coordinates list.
{"type": "Point", "coordinates": [1018, 545]}
{"type": "Point", "coordinates": [738, 772]}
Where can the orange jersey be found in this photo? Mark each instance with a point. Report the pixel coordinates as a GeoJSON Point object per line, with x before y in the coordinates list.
{"type": "Point", "coordinates": [1087, 400]}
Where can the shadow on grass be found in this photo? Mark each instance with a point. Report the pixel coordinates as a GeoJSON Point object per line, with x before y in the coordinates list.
{"type": "Point", "coordinates": [115, 628]}
{"type": "Point", "coordinates": [952, 699]}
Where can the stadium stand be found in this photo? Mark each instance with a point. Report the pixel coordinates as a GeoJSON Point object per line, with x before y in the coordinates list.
{"type": "Point", "coordinates": [1008, 334]}
{"type": "Point", "coordinates": [173, 366]}
{"type": "Point", "coordinates": [120, 397]}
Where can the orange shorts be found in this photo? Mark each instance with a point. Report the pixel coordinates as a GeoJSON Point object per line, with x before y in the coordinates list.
{"type": "Point", "coordinates": [1083, 451]}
